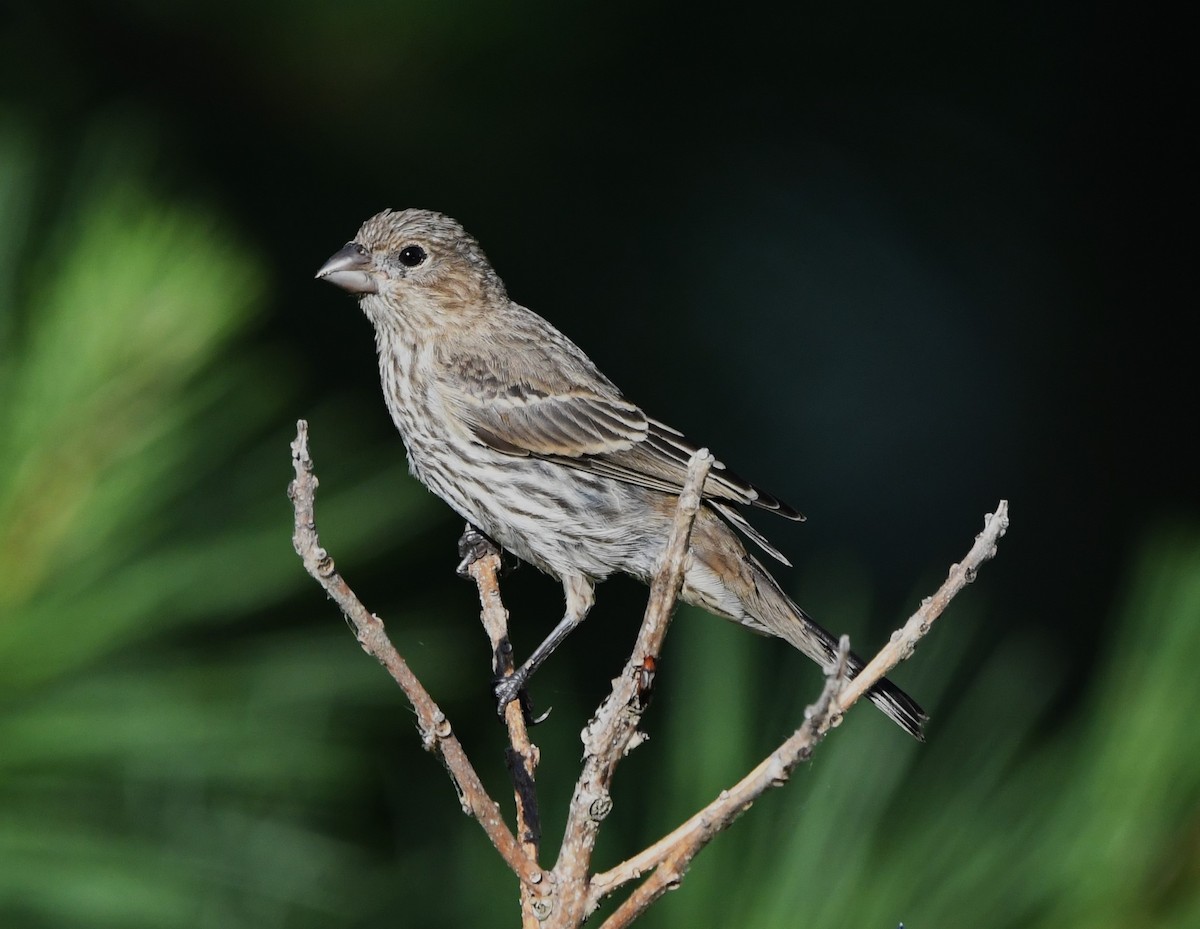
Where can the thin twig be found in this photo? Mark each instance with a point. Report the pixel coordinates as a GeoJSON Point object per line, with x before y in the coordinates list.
{"type": "Point", "coordinates": [522, 755]}
{"type": "Point", "coordinates": [611, 732]}
{"type": "Point", "coordinates": [904, 640]}
{"type": "Point", "coordinates": [436, 734]}
{"type": "Point", "coordinates": [670, 856]}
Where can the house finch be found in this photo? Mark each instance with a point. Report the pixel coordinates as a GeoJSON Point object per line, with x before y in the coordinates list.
{"type": "Point", "coordinates": [510, 423]}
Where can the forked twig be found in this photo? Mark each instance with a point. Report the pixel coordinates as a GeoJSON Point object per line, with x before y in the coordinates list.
{"type": "Point", "coordinates": [565, 896]}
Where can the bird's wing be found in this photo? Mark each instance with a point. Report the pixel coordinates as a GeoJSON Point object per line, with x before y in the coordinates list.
{"type": "Point", "coordinates": [585, 423]}
{"type": "Point", "coordinates": [526, 421]}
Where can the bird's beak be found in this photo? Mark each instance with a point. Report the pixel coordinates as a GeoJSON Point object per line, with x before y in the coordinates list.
{"type": "Point", "coordinates": [349, 269]}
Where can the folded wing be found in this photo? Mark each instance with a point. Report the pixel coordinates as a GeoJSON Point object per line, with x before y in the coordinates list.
{"type": "Point", "coordinates": [592, 427]}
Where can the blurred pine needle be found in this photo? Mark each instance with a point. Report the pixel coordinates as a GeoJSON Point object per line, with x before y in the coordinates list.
{"type": "Point", "coordinates": [1006, 818]}
{"type": "Point", "coordinates": [148, 777]}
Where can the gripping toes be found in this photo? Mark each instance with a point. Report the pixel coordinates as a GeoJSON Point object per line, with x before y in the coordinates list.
{"type": "Point", "coordinates": [473, 545]}
{"type": "Point", "coordinates": [507, 689]}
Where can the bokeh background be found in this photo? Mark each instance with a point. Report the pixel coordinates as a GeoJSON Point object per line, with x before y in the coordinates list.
{"type": "Point", "coordinates": [892, 262]}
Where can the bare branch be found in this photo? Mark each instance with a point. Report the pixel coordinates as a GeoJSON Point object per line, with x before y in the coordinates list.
{"type": "Point", "coordinates": [669, 857]}
{"type": "Point", "coordinates": [566, 896]}
{"type": "Point", "coordinates": [904, 640]}
{"type": "Point", "coordinates": [522, 755]}
{"type": "Point", "coordinates": [436, 734]}
{"type": "Point", "coordinates": [611, 732]}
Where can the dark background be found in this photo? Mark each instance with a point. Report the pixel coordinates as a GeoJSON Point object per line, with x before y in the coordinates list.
{"type": "Point", "coordinates": [892, 263]}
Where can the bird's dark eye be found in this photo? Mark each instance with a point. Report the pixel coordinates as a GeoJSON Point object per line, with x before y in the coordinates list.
{"type": "Point", "coordinates": [412, 255]}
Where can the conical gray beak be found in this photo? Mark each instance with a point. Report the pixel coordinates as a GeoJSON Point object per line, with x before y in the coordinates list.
{"type": "Point", "coordinates": [349, 270]}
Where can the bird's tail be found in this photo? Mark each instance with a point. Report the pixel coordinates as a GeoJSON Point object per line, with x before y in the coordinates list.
{"type": "Point", "coordinates": [783, 618]}
{"type": "Point", "coordinates": [728, 581]}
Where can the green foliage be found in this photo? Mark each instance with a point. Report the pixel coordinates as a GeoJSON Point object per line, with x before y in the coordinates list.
{"type": "Point", "coordinates": [148, 775]}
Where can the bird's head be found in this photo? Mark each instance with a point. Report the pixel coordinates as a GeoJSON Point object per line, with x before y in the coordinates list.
{"type": "Point", "coordinates": [414, 259]}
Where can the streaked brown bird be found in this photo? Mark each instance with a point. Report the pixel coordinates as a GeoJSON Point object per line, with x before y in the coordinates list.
{"type": "Point", "coordinates": [510, 423]}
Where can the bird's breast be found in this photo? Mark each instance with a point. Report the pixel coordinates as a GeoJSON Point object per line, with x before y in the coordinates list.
{"type": "Point", "coordinates": [560, 519]}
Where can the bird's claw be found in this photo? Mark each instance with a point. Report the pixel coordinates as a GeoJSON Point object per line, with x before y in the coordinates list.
{"type": "Point", "coordinates": [512, 687]}
{"type": "Point", "coordinates": [472, 546]}
{"type": "Point", "coordinates": [507, 689]}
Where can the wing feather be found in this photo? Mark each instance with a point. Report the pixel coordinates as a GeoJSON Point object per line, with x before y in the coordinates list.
{"type": "Point", "coordinates": [590, 426]}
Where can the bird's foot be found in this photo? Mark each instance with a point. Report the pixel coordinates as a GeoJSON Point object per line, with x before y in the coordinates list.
{"type": "Point", "coordinates": [511, 687]}
{"type": "Point", "coordinates": [472, 546]}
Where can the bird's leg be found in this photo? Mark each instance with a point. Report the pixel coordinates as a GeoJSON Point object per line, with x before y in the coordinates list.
{"type": "Point", "coordinates": [473, 545]}
{"type": "Point", "coordinates": [581, 594]}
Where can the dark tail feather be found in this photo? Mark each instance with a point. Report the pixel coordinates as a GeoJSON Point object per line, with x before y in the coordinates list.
{"type": "Point", "coordinates": [775, 614]}
{"type": "Point", "coordinates": [810, 638]}
{"type": "Point", "coordinates": [895, 703]}
{"type": "Point", "coordinates": [821, 646]}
